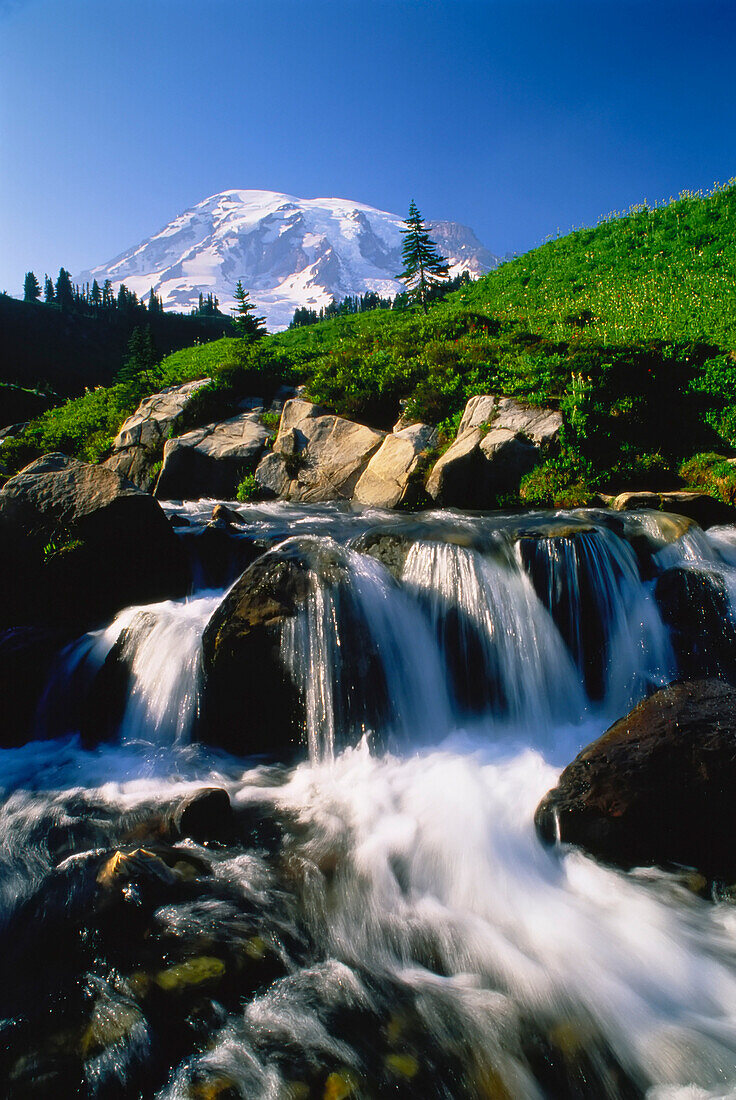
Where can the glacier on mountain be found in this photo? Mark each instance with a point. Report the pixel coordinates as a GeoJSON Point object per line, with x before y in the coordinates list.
{"type": "Point", "coordinates": [289, 252]}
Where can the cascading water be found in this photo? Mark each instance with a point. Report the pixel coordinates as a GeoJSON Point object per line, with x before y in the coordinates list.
{"type": "Point", "coordinates": [393, 926]}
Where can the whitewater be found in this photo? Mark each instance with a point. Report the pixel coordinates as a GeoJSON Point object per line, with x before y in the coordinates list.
{"type": "Point", "coordinates": [427, 943]}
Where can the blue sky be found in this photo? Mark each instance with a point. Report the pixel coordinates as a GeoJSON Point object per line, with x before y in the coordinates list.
{"type": "Point", "coordinates": [518, 118]}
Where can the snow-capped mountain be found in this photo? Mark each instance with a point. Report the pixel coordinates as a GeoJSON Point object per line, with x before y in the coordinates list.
{"type": "Point", "coordinates": [288, 252]}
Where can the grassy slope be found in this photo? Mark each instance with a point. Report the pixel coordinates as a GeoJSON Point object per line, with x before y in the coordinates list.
{"type": "Point", "coordinates": [630, 327]}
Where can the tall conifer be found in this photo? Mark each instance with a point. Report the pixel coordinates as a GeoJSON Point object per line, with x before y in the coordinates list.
{"type": "Point", "coordinates": [423, 265]}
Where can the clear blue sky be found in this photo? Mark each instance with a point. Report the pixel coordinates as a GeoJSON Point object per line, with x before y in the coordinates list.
{"type": "Point", "coordinates": [517, 117]}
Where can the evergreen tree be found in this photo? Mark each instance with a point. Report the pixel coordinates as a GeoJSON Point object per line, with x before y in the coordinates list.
{"type": "Point", "coordinates": [48, 290]}
{"type": "Point", "coordinates": [423, 265]}
{"type": "Point", "coordinates": [142, 358]}
{"type": "Point", "coordinates": [246, 325]}
{"type": "Point", "coordinates": [64, 291]}
{"type": "Point", "coordinates": [31, 289]}
{"type": "Point", "coordinates": [96, 295]}
{"type": "Point", "coordinates": [108, 297]}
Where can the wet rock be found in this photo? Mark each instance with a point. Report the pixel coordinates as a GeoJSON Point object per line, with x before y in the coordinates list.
{"type": "Point", "coordinates": [250, 702]}
{"type": "Point", "coordinates": [26, 657]}
{"type": "Point", "coordinates": [197, 971]}
{"type": "Point", "coordinates": [696, 607]}
{"type": "Point", "coordinates": [80, 543]}
{"type": "Point", "coordinates": [204, 816]}
{"type": "Point", "coordinates": [658, 787]}
{"type": "Point", "coordinates": [221, 514]}
{"type": "Point", "coordinates": [388, 548]}
{"type": "Point", "coordinates": [388, 480]}
{"type": "Point", "coordinates": [138, 446]}
{"type": "Point", "coordinates": [705, 510]}
{"type": "Point", "coordinates": [316, 456]}
{"type": "Point", "coordinates": [211, 461]}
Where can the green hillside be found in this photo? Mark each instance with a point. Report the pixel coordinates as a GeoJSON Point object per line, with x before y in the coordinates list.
{"type": "Point", "coordinates": [629, 328]}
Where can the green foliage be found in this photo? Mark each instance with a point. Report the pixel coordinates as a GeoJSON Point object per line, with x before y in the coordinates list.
{"type": "Point", "coordinates": [247, 489]}
{"type": "Point", "coordinates": [271, 420]}
{"type": "Point", "coordinates": [558, 483]}
{"type": "Point", "coordinates": [629, 329]}
{"type": "Point", "coordinates": [713, 473]}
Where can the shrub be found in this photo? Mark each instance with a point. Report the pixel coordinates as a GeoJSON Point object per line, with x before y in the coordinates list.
{"type": "Point", "coordinates": [558, 483]}
{"type": "Point", "coordinates": [711, 472]}
{"type": "Point", "coordinates": [247, 489]}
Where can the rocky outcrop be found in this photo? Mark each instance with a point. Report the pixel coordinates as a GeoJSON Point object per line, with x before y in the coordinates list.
{"type": "Point", "coordinates": [80, 542]}
{"type": "Point", "coordinates": [658, 788]}
{"type": "Point", "coordinates": [211, 461]}
{"type": "Point", "coordinates": [703, 509]}
{"type": "Point", "coordinates": [541, 426]}
{"type": "Point", "coordinates": [498, 441]}
{"type": "Point", "coordinates": [478, 467]}
{"type": "Point", "coordinates": [139, 444]}
{"type": "Point", "coordinates": [389, 480]}
{"type": "Point", "coordinates": [316, 456]}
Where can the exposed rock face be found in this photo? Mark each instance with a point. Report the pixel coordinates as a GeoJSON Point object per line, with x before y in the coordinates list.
{"type": "Point", "coordinates": [703, 509]}
{"type": "Point", "coordinates": [316, 456]}
{"type": "Point", "coordinates": [81, 542]}
{"type": "Point", "coordinates": [658, 787]}
{"type": "Point", "coordinates": [456, 475]}
{"type": "Point", "coordinates": [387, 480]}
{"type": "Point", "coordinates": [210, 461]}
{"type": "Point", "coordinates": [478, 467]}
{"type": "Point", "coordinates": [139, 443]}
{"type": "Point", "coordinates": [498, 441]}
{"type": "Point", "coordinates": [541, 426]}
{"type": "Point", "coordinates": [696, 607]}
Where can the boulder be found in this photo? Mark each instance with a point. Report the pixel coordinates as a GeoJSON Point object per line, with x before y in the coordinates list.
{"type": "Point", "coordinates": [479, 410]}
{"type": "Point", "coordinates": [659, 787]}
{"type": "Point", "coordinates": [316, 456]}
{"type": "Point", "coordinates": [479, 466]}
{"type": "Point", "coordinates": [457, 475]}
{"type": "Point", "coordinates": [696, 607]}
{"type": "Point", "coordinates": [389, 479]}
{"type": "Point", "coordinates": [211, 461]}
{"type": "Point", "coordinates": [250, 704]}
{"type": "Point", "coordinates": [255, 688]}
{"type": "Point", "coordinates": [703, 509]}
{"type": "Point", "coordinates": [138, 446]}
{"type": "Point", "coordinates": [542, 426]}
{"type": "Point", "coordinates": [80, 542]}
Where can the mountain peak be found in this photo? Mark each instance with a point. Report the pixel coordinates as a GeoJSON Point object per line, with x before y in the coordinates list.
{"type": "Point", "coordinates": [288, 251]}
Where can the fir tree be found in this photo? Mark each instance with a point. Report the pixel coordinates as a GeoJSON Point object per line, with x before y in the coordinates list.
{"type": "Point", "coordinates": [64, 291]}
{"type": "Point", "coordinates": [423, 265]}
{"type": "Point", "coordinates": [142, 358]}
{"type": "Point", "coordinates": [31, 289]}
{"type": "Point", "coordinates": [108, 297]}
{"type": "Point", "coordinates": [96, 295]}
{"type": "Point", "coordinates": [48, 290]}
{"type": "Point", "coordinates": [247, 325]}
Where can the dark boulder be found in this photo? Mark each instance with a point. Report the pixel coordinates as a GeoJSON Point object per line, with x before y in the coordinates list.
{"type": "Point", "coordinates": [696, 607]}
{"type": "Point", "coordinates": [659, 787]}
{"type": "Point", "coordinates": [250, 702]}
{"type": "Point", "coordinates": [254, 702]}
{"type": "Point", "coordinates": [80, 542]}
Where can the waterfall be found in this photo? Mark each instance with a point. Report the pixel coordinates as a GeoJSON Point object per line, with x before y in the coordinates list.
{"type": "Point", "coordinates": [384, 915]}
